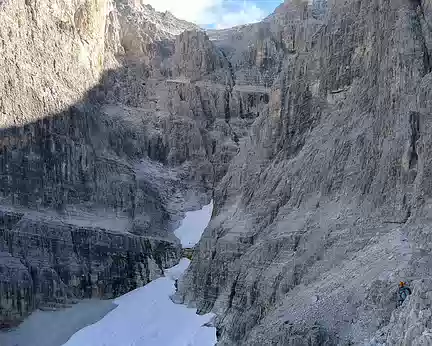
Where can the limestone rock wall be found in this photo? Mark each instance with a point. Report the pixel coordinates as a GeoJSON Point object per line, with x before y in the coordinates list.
{"type": "Point", "coordinates": [110, 129]}
{"type": "Point", "coordinates": [65, 42]}
{"type": "Point", "coordinates": [49, 263]}
{"type": "Point", "coordinates": [333, 185]}
{"type": "Point", "coordinates": [81, 212]}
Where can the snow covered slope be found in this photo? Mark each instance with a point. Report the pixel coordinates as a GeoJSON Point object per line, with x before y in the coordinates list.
{"type": "Point", "coordinates": [193, 225]}
{"type": "Point", "coordinates": [147, 316]}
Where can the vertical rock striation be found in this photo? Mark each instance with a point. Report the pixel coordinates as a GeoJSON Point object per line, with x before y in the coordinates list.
{"type": "Point", "coordinates": [81, 213]}
{"type": "Point", "coordinates": [326, 206]}
{"type": "Point", "coordinates": [111, 127]}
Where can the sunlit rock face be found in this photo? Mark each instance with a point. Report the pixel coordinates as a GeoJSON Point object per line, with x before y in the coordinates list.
{"type": "Point", "coordinates": [310, 130]}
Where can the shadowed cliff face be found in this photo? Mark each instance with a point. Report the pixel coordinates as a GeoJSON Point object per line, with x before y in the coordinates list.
{"type": "Point", "coordinates": [311, 128]}
{"type": "Point", "coordinates": [326, 207]}
{"type": "Point", "coordinates": [111, 128]}
{"type": "Point", "coordinates": [90, 196]}
{"type": "Point", "coordinates": [80, 215]}
{"type": "Point", "coordinates": [87, 206]}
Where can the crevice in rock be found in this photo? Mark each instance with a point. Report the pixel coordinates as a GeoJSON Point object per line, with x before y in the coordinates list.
{"type": "Point", "coordinates": [297, 239]}
{"type": "Point", "coordinates": [232, 293]}
{"type": "Point", "coordinates": [209, 296]}
{"type": "Point", "coordinates": [427, 60]}
{"type": "Point", "coordinates": [34, 276]}
{"type": "Point", "coordinates": [227, 106]}
{"type": "Point", "coordinates": [414, 120]}
{"type": "Point", "coordinates": [204, 106]}
{"type": "Point", "coordinates": [404, 220]}
{"type": "Point", "coordinates": [230, 67]}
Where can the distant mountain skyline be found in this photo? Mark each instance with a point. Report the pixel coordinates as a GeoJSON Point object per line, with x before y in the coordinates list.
{"type": "Point", "coordinates": [217, 14]}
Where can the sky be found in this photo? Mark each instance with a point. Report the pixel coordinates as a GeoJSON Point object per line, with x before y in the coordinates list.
{"type": "Point", "coordinates": [218, 14]}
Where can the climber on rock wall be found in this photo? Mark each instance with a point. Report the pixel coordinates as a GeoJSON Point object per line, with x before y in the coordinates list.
{"type": "Point", "coordinates": [404, 292]}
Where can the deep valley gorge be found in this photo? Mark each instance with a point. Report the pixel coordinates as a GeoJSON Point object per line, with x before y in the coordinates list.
{"type": "Point", "coordinates": [309, 131]}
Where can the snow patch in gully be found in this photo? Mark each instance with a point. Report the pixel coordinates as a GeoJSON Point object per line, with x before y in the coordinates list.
{"type": "Point", "coordinates": [147, 316]}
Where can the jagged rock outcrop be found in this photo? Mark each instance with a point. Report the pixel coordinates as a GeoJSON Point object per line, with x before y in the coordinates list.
{"type": "Point", "coordinates": [196, 57]}
{"type": "Point", "coordinates": [51, 262]}
{"type": "Point", "coordinates": [311, 127]}
{"type": "Point", "coordinates": [85, 208]}
{"type": "Point", "coordinates": [110, 129]}
{"type": "Point", "coordinates": [326, 206]}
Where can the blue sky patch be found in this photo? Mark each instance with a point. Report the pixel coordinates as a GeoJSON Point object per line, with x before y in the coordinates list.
{"type": "Point", "coordinates": [217, 14]}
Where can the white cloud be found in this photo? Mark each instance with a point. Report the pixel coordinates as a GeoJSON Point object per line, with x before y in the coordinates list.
{"type": "Point", "coordinates": [246, 14]}
{"type": "Point", "coordinates": [220, 13]}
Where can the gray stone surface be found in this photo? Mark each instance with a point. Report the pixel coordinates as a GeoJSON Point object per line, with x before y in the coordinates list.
{"type": "Point", "coordinates": [311, 129]}
{"type": "Point", "coordinates": [86, 208]}
{"type": "Point", "coordinates": [111, 127]}
{"type": "Point", "coordinates": [326, 207]}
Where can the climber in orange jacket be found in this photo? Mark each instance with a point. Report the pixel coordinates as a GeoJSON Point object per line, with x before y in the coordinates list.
{"type": "Point", "coordinates": [404, 292]}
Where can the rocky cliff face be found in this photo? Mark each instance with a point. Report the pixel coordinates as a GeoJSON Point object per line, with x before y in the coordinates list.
{"type": "Point", "coordinates": [326, 206]}
{"type": "Point", "coordinates": [311, 128]}
{"type": "Point", "coordinates": [78, 191]}
{"type": "Point", "coordinates": [111, 128]}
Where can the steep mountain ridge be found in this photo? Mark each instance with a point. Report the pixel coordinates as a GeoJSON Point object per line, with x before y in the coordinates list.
{"type": "Point", "coordinates": [160, 25]}
{"type": "Point", "coordinates": [309, 130]}
{"type": "Point", "coordinates": [85, 208]}
{"type": "Point", "coordinates": [326, 206]}
{"type": "Point", "coordinates": [118, 131]}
